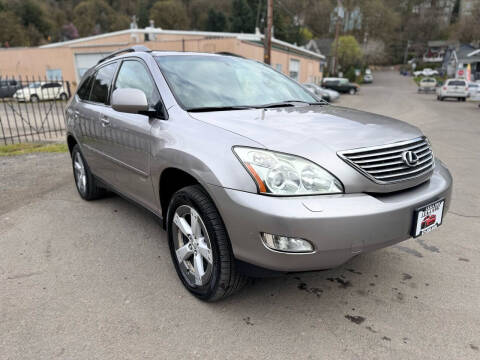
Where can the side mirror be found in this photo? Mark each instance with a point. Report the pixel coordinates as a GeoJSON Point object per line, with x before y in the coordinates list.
{"type": "Point", "coordinates": [128, 100]}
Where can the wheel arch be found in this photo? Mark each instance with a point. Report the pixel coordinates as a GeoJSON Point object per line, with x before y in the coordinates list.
{"type": "Point", "coordinates": [171, 180]}
{"type": "Point", "coordinates": [71, 142]}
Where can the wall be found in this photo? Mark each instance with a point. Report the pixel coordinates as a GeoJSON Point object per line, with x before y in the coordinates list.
{"type": "Point", "coordinates": [34, 62]}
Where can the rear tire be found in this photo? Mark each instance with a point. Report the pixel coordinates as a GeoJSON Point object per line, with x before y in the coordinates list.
{"type": "Point", "coordinates": [63, 96]}
{"type": "Point", "coordinates": [84, 180]}
{"type": "Point", "coordinates": [34, 98]}
{"type": "Point", "coordinates": [191, 211]}
{"type": "Point", "coordinates": [352, 91]}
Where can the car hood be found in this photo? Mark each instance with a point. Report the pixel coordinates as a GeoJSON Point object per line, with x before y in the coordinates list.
{"type": "Point", "coordinates": [318, 133]}
{"type": "Point", "coordinates": [301, 130]}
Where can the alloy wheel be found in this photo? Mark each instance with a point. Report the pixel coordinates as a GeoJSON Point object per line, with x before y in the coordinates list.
{"type": "Point", "coordinates": [192, 244]}
{"type": "Point", "coordinates": [80, 174]}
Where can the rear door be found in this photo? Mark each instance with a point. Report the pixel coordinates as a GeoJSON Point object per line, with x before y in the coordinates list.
{"type": "Point", "coordinates": [132, 134]}
{"type": "Point", "coordinates": [96, 133]}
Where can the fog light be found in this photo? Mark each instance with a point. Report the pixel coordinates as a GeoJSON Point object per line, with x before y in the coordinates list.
{"type": "Point", "coordinates": [286, 244]}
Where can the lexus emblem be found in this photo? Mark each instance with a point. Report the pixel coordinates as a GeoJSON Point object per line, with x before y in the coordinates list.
{"type": "Point", "coordinates": [410, 158]}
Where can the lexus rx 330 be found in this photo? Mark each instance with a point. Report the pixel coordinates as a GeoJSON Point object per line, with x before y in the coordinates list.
{"type": "Point", "coordinates": [248, 171]}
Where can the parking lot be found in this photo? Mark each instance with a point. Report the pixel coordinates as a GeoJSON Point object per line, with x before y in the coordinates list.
{"type": "Point", "coordinates": [88, 280]}
{"type": "Point", "coordinates": [28, 122]}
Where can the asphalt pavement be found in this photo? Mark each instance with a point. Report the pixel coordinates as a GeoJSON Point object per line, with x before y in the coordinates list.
{"type": "Point", "coordinates": [94, 280]}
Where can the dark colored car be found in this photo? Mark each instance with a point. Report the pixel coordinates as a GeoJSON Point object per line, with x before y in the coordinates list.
{"type": "Point", "coordinates": [8, 88]}
{"type": "Point", "coordinates": [341, 85]}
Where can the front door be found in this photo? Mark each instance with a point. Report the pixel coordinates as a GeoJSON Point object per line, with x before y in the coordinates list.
{"type": "Point", "coordinates": [130, 146]}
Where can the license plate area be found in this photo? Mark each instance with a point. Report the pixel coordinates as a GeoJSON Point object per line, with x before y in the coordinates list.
{"type": "Point", "coordinates": [428, 218]}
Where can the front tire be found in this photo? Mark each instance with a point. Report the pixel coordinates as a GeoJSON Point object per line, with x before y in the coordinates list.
{"type": "Point", "coordinates": [84, 180]}
{"type": "Point", "coordinates": [34, 99]}
{"type": "Point", "coordinates": [200, 247]}
{"type": "Point", "coordinates": [352, 91]}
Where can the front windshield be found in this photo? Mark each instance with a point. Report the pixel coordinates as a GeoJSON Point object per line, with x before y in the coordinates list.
{"type": "Point", "coordinates": [200, 81]}
{"type": "Point", "coordinates": [34, 85]}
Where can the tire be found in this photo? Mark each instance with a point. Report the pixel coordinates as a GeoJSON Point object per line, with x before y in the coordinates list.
{"type": "Point", "coordinates": [84, 180]}
{"type": "Point", "coordinates": [63, 97]}
{"type": "Point", "coordinates": [352, 91]}
{"type": "Point", "coordinates": [220, 277]}
{"type": "Point", "coordinates": [34, 98]}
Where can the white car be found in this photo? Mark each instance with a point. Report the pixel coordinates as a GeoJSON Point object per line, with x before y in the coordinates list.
{"type": "Point", "coordinates": [453, 88]}
{"type": "Point", "coordinates": [474, 91]}
{"type": "Point", "coordinates": [425, 72]}
{"type": "Point", "coordinates": [326, 94]}
{"type": "Point", "coordinates": [38, 91]}
{"type": "Point", "coordinates": [427, 84]}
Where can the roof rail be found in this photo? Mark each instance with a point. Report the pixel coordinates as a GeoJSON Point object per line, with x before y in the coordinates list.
{"type": "Point", "coordinates": [135, 48]}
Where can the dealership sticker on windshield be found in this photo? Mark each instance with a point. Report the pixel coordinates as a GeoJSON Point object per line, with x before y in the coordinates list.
{"type": "Point", "coordinates": [428, 218]}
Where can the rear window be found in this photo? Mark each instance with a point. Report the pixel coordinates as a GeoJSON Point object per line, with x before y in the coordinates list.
{"type": "Point", "coordinates": [84, 91]}
{"type": "Point", "coordinates": [102, 83]}
{"type": "Point", "coordinates": [456, 83]}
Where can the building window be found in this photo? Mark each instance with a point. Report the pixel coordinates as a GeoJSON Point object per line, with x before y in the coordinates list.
{"type": "Point", "coordinates": [54, 74]}
{"type": "Point", "coordinates": [294, 69]}
{"type": "Point", "coordinates": [278, 67]}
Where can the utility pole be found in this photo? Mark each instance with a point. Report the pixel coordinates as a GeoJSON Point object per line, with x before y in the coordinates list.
{"type": "Point", "coordinates": [337, 31]}
{"type": "Point", "coordinates": [268, 34]}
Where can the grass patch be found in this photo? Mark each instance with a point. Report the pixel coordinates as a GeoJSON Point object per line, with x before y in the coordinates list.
{"type": "Point", "coordinates": [28, 148]}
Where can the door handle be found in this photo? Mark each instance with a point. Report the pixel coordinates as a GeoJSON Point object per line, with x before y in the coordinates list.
{"type": "Point", "coordinates": [105, 121]}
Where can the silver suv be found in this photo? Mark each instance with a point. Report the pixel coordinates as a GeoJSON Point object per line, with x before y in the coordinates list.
{"type": "Point", "coordinates": [248, 172]}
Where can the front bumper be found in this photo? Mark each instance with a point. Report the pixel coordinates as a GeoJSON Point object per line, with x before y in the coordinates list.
{"type": "Point", "coordinates": [339, 226]}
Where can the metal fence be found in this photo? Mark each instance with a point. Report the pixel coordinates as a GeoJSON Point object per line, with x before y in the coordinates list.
{"type": "Point", "coordinates": [32, 109]}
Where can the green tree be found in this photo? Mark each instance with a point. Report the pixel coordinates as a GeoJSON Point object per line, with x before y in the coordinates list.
{"type": "Point", "coordinates": [170, 14]}
{"type": "Point", "coordinates": [242, 19]}
{"type": "Point", "coordinates": [216, 21]}
{"type": "Point", "coordinates": [143, 10]}
{"type": "Point", "coordinates": [349, 52]}
{"type": "Point", "coordinates": [12, 32]}
{"type": "Point", "coordinates": [97, 16]}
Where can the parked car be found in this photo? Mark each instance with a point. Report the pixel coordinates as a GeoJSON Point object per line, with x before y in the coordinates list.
{"type": "Point", "coordinates": [425, 72]}
{"type": "Point", "coordinates": [248, 172]}
{"type": "Point", "coordinates": [325, 94]}
{"type": "Point", "coordinates": [341, 85]}
{"type": "Point", "coordinates": [474, 91]}
{"type": "Point", "coordinates": [368, 77]}
{"type": "Point", "coordinates": [427, 84]}
{"type": "Point", "coordinates": [39, 91]}
{"type": "Point", "coordinates": [453, 88]}
{"type": "Point", "coordinates": [8, 87]}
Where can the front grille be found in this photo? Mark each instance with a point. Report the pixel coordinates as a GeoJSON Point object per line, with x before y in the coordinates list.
{"type": "Point", "coordinates": [386, 164]}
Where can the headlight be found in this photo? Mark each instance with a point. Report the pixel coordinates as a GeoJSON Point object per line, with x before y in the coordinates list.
{"type": "Point", "coordinates": [283, 174]}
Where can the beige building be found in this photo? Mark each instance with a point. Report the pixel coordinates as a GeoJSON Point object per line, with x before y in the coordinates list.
{"type": "Point", "coordinates": [70, 59]}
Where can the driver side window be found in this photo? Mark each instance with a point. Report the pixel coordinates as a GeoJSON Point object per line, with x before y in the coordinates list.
{"type": "Point", "coordinates": [134, 75]}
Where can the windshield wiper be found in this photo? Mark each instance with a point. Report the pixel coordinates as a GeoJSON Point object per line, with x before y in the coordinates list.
{"type": "Point", "coordinates": [218, 108]}
{"type": "Point", "coordinates": [289, 103]}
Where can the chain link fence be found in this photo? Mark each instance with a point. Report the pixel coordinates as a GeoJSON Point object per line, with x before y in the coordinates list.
{"type": "Point", "coordinates": [32, 109]}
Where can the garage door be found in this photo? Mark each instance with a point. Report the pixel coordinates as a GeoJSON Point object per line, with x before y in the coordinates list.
{"type": "Point", "coordinates": [83, 62]}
